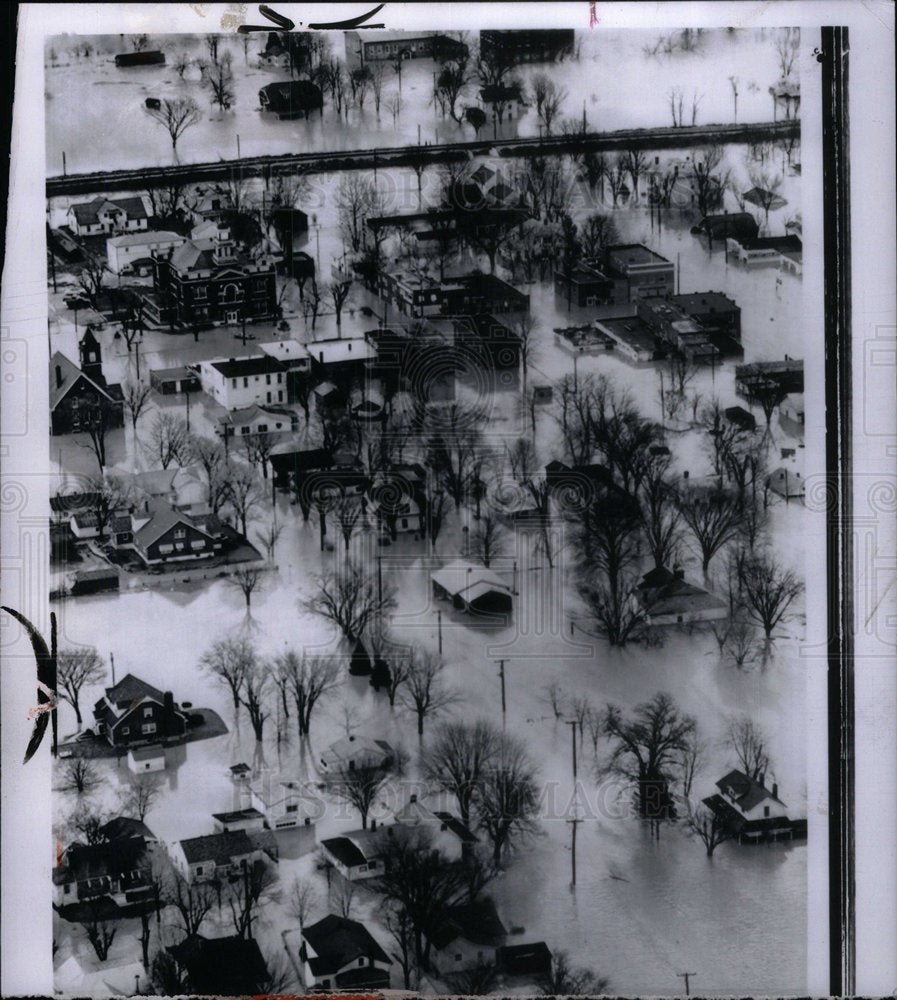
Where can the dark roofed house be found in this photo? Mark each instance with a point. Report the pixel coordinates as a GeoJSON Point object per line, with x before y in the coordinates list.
{"type": "Point", "coordinates": [766, 250]}
{"type": "Point", "coordinates": [160, 534]}
{"type": "Point", "coordinates": [582, 285]}
{"type": "Point", "coordinates": [78, 399]}
{"type": "Point", "coordinates": [216, 855]}
{"type": "Point", "coordinates": [741, 417]}
{"type": "Point", "coordinates": [133, 713]}
{"type": "Point", "coordinates": [467, 937]}
{"type": "Point", "coordinates": [228, 966]}
{"type": "Point", "coordinates": [524, 959]}
{"type": "Point", "coordinates": [356, 855]}
{"type": "Point", "coordinates": [506, 100]}
{"type": "Point", "coordinates": [724, 225]}
{"type": "Point", "coordinates": [290, 99]}
{"type": "Point", "coordinates": [753, 811]}
{"type": "Point", "coordinates": [342, 954]}
{"type": "Point", "coordinates": [667, 598]}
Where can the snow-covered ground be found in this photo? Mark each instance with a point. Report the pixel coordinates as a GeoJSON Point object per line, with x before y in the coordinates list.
{"type": "Point", "coordinates": [95, 111]}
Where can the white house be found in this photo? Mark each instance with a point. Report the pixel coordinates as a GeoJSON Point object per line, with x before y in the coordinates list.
{"type": "Point", "coordinates": [215, 856]}
{"type": "Point", "coordinates": [467, 937]}
{"type": "Point", "coordinates": [255, 419]}
{"type": "Point", "coordinates": [282, 800]}
{"type": "Point", "coordinates": [133, 251]}
{"type": "Point", "coordinates": [352, 752]}
{"type": "Point", "coordinates": [356, 855]}
{"type": "Point", "coordinates": [750, 798]}
{"type": "Point", "coordinates": [472, 588]}
{"type": "Point", "coordinates": [104, 215]}
{"type": "Point", "coordinates": [341, 954]}
{"type": "Point", "coordinates": [391, 502]}
{"type": "Point", "coordinates": [236, 383]}
{"type": "Point", "coordinates": [446, 833]}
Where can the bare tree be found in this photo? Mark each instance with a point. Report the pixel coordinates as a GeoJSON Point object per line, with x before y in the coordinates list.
{"type": "Point", "coordinates": [79, 775]}
{"type": "Point", "coordinates": [507, 804]}
{"type": "Point", "coordinates": [228, 661]}
{"type": "Point", "coordinates": [711, 829]}
{"type": "Point", "coordinates": [247, 893]}
{"type": "Point", "coordinates": [246, 579]}
{"type": "Point", "coordinates": [342, 896]}
{"type": "Point", "coordinates": [258, 447]}
{"type": "Point", "coordinates": [269, 537]}
{"type": "Point", "coordinates": [616, 178]}
{"type": "Point", "coordinates": [787, 49]}
{"type": "Point", "coordinates": [658, 513]}
{"type": "Point", "coordinates": [95, 423]}
{"type": "Point", "coordinates": [361, 785]}
{"type": "Point", "coordinates": [748, 742]}
{"type": "Point", "coordinates": [87, 824]}
{"type": "Point", "coordinates": [765, 187]}
{"type": "Point", "coordinates": [768, 590]}
{"type": "Point", "coordinates": [309, 679]}
{"type": "Point", "coordinates": [596, 233]}
{"type": "Point", "coordinates": [192, 901]}
{"type": "Point", "coordinates": [635, 163]}
{"type": "Point", "coordinates": [555, 699]}
{"type": "Point", "coordinates": [351, 600]}
{"type": "Point", "coordinates": [99, 926]}
{"type": "Point", "coordinates": [357, 199]}
{"type": "Point", "coordinates": [176, 116]}
{"type": "Point", "coordinates": [243, 494]}
{"type": "Point", "coordinates": [564, 980]}
{"type": "Point", "coordinates": [644, 749]}
{"type": "Point", "coordinates": [90, 275]}
{"type": "Point", "coordinates": [136, 396]}
{"type": "Point", "coordinates": [303, 899]}
{"type": "Point", "coordinates": [377, 72]}
{"type": "Point", "coordinates": [424, 692]}
{"type": "Point", "coordinates": [449, 83]}
{"type": "Point", "coordinates": [139, 794]}
{"type": "Point", "coordinates": [487, 541]}
{"type": "Point", "coordinates": [338, 292]}
{"type": "Point", "coordinates": [457, 758]}
{"type": "Point", "coordinates": [168, 439]}
{"type": "Point", "coordinates": [401, 929]}
{"type": "Point", "coordinates": [713, 516]}
{"type": "Point", "coordinates": [548, 98]}
{"type": "Point", "coordinates": [210, 456]}
{"type": "Point", "coordinates": [76, 668]}
{"type": "Point", "coordinates": [710, 180]}
{"type": "Point", "coordinates": [181, 63]}
{"type": "Point", "coordinates": [218, 78]}
{"type": "Point", "coordinates": [690, 760]}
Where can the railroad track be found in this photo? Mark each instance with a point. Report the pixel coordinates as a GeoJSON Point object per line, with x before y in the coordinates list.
{"type": "Point", "coordinates": [372, 159]}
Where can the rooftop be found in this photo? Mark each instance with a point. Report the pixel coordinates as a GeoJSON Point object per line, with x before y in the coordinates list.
{"type": "Point", "coordinates": [244, 367]}
{"type": "Point", "coordinates": [218, 847]}
{"type": "Point", "coordinates": [747, 792]}
{"type": "Point", "coordinates": [337, 941]}
{"type": "Point", "coordinates": [636, 253]}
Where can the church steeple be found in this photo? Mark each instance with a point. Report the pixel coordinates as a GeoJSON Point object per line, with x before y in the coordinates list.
{"type": "Point", "coordinates": [91, 356]}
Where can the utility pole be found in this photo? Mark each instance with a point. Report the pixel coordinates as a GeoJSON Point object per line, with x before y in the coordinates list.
{"type": "Point", "coordinates": [573, 724]}
{"type": "Point", "coordinates": [380, 577]}
{"type": "Point", "coordinates": [686, 976]}
{"type": "Point", "coordinates": [574, 823]}
{"type": "Point", "coordinates": [504, 706]}
{"type": "Point", "coordinates": [112, 664]}
{"type": "Point", "coordinates": [439, 628]}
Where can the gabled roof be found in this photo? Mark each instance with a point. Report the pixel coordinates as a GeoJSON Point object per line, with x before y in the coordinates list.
{"type": "Point", "coordinates": [163, 518]}
{"type": "Point", "coordinates": [476, 922]}
{"type": "Point", "coordinates": [460, 577]}
{"type": "Point", "coordinates": [190, 257]}
{"type": "Point", "coordinates": [352, 747]}
{"type": "Point", "coordinates": [130, 690]}
{"type": "Point", "coordinates": [456, 827]}
{"type": "Point", "coordinates": [109, 859]}
{"type": "Point", "coordinates": [124, 827]}
{"type": "Point", "coordinates": [228, 966]}
{"type": "Point", "coordinates": [144, 237]}
{"type": "Point", "coordinates": [345, 851]}
{"type": "Point", "coordinates": [218, 847]}
{"type": "Point", "coordinates": [747, 792]}
{"type": "Point", "coordinates": [338, 941]}
{"type": "Point", "coordinates": [70, 374]}
{"type": "Point", "coordinates": [87, 212]}
{"type": "Point", "coordinates": [152, 752]}
{"type": "Point", "coordinates": [238, 815]}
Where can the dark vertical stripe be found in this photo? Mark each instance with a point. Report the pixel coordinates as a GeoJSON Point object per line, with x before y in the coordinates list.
{"type": "Point", "coordinates": [836, 244]}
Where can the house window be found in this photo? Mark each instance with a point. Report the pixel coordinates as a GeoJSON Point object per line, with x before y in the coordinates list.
{"type": "Point", "coordinates": [404, 522]}
{"type": "Point", "coordinates": [279, 378]}
{"type": "Point", "coordinates": [199, 544]}
{"type": "Point", "coordinates": [126, 730]}
{"type": "Point", "coordinates": [267, 380]}
{"type": "Point", "coordinates": [458, 957]}
{"type": "Point", "coordinates": [148, 712]}
{"type": "Point", "coordinates": [293, 807]}
{"type": "Point", "coordinates": [149, 728]}
{"type": "Point", "coordinates": [766, 810]}
{"type": "Point", "coordinates": [360, 962]}
{"type": "Point", "coordinates": [280, 396]}
{"type": "Point", "coordinates": [233, 383]}
{"type": "Point", "coordinates": [268, 396]}
{"type": "Point", "coordinates": [199, 869]}
{"type": "Point", "coordinates": [244, 430]}
{"type": "Point", "coordinates": [165, 549]}
{"type": "Point", "coordinates": [180, 533]}
{"type": "Point", "coordinates": [263, 428]}
{"type": "Point", "coordinates": [245, 383]}
{"type": "Point", "coordinates": [372, 865]}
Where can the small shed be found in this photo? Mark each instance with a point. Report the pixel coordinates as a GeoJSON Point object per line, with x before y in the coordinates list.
{"type": "Point", "coordinates": [524, 959]}
{"type": "Point", "coordinates": [472, 588]}
{"type": "Point", "coordinates": [787, 483]}
{"type": "Point", "coordinates": [148, 758]}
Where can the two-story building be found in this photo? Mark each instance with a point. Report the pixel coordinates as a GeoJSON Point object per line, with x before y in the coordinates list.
{"type": "Point", "coordinates": [195, 285]}
{"type": "Point", "coordinates": [464, 295]}
{"type": "Point", "coordinates": [281, 800]}
{"type": "Point", "coordinates": [351, 753]}
{"type": "Point", "coordinates": [79, 399]}
{"type": "Point", "coordinates": [132, 253]}
{"type": "Point", "coordinates": [393, 45]}
{"type": "Point", "coordinates": [132, 713]}
{"type": "Point", "coordinates": [581, 286]}
{"type": "Point", "coordinates": [715, 312]}
{"type": "Point", "coordinates": [640, 271]}
{"type": "Point", "coordinates": [159, 534]}
{"type": "Point", "coordinates": [236, 383]}
{"type": "Point", "coordinates": [527, 45]}
{"type": "Point", "coordinates": [751, 810]}
{"type": "Point", "coordinates": [341, 954]}
{"type": "Point", "coordinates": [290, 99]}
{"type": "Point", "coordinates": [116, 869]}
{"type": "Point", "coordinates": [677, 329]}
{"type": "Point", "coordinates": [104, 215]}
{"type": "Point", "coordinates": [667, 598]}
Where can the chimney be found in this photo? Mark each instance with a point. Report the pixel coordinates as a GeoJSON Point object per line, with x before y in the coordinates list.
{"type": "Point", "coordinates": [351, 739]}
{"type": "Point", "coordinates": [679, 572]}
{"type": "Point", "coordinates": [373, 825]}
{"type": "Point", "coordinates": [167, 713]}
{"type": "Point", "coordinates": [775, 790]}
{"type": "Point", "coordinates": [685, 474]}
{"type": "Point", "coordinates": [413, 798]}
{"type": "Point", "coordinates": [762, 778]}
{"type": "Point", "coordinates": [58, 376]}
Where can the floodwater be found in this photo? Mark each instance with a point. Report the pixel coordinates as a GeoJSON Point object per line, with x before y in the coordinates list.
{"type": "Point", "coordinates": [613, 82]}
